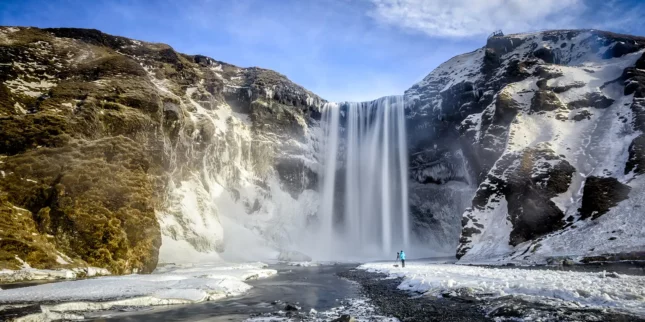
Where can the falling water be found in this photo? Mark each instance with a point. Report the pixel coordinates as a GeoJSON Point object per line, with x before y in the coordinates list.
{"type": "Point", "coordinates": [330, 128]}
{"type": "Point", "coordinates": [366, 212]}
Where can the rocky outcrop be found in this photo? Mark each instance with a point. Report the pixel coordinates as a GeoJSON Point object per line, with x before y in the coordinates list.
{"type": "Point", "coordinates": [540, 176]}
{"type": "Point", "coordinates": [527, 180]}
{"type": "Point", "coordinates": [636, 160]}
{"type": "Point", "coordinates": [544, 101]}
{"type": "Point", "coordinates": [600, 194]}
{"type": "Point", "coordinates": [109, 145]}
{"type": "Point", "coordinates": [594, 99]}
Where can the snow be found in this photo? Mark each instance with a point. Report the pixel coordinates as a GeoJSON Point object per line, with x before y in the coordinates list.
{"type": "Point", "coordinates": [573, 289]}
{"type": "Point", "coordinates": [29, 274]}
{"type": "Point", "coordinates": [168, 285]}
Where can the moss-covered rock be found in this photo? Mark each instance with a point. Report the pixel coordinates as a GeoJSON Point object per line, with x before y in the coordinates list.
{"type": "Point", "coordinates": [95, 128]}
{"type": "Point", "coordinates": [93, 197]}
{"type": "Point", "coordinates": [23, 132]}
{"type": "Point", "coordinates": [545, 100]}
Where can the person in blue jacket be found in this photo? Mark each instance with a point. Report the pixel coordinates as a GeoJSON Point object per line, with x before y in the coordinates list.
{"type": "Point", "coordinates": [402, 257]}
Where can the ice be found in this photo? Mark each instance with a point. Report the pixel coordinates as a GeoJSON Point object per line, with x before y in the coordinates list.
{"type": "Point", "coordinates": [580, 289]}
{"type": "Point", "coordinates": [360, 309]}
{"type": "Point", "coordinates": [170, 284]}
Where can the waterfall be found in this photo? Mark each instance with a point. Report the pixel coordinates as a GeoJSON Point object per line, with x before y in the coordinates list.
{"type": "Point", "coordinates": [364, 208]}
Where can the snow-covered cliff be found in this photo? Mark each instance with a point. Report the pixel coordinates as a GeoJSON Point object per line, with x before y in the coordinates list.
{"type": "Point", "coordinates": [549, 126]}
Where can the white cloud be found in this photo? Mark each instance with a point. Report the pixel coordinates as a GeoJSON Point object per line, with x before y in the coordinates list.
{"type": "Point", "coordinates": [465, 18]}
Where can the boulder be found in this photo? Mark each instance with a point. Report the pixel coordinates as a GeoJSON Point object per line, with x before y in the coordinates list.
{"type": "Point", "coordinates": [548, 55]}
{"type": "Point", "coordinates": [595, 99]}
{"type": "Point", "coordinates": [584, 114]}
{"type": "Point", "coordinates": [545, 100]}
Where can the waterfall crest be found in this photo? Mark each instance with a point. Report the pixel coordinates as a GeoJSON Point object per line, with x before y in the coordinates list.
{"type": "Point", "coordinates": [364, 208]}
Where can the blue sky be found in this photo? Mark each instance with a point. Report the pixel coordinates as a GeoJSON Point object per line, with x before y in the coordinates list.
{"type": "Point", "coordinates": [340, 49]}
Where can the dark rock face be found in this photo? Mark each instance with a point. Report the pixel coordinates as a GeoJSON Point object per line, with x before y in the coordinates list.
{"type": "Point", "coordinates": [636, 160]}
{"type": "Point", "coordinates": [529, 191]}
{"type": "Point", "coordinates": [548, 55]}
{"type": "Point", "coordinates": [601, 194]}
{"type": "Point", "coordinates": [620, 49]}
{"type": "Point", "coordinates": [595, 99]}
{"type": "Point", "coordinates": [494, 131]}
{"type": "Point", "coordinates": [635, 84]}
{"type": "Point", "coordinates": [533, 177]}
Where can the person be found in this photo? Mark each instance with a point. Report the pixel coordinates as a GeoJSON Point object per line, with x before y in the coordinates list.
{"type": "Point", "coordinates": [397, 256]}
{"type": "Point", "coordinates": [401, 255]}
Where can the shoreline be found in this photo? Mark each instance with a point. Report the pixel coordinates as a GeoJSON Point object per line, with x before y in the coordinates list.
{"type": "Point", "coordinates": [462, 305]}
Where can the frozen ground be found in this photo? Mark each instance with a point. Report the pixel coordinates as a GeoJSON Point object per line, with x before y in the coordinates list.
{"type": "Point", "coordinates": [604, 290]}
{"type": "Point", "coordinates": [360, 309]}
{"type": "Point", "coordinates": [167, 285]}
{"type": "Point", "coordinates": [33, 274]}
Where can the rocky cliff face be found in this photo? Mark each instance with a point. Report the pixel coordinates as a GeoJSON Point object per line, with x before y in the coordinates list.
{"type": "Point", "coordinates": [110, 146]}
{"type": "Point", "coordinates": [548, 128]}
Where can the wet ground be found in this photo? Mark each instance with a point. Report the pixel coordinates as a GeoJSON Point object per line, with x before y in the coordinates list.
{"type": "Point", "coordinates": [317, 287]}
{"type": "Point", "coordinates": [390, 301]}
